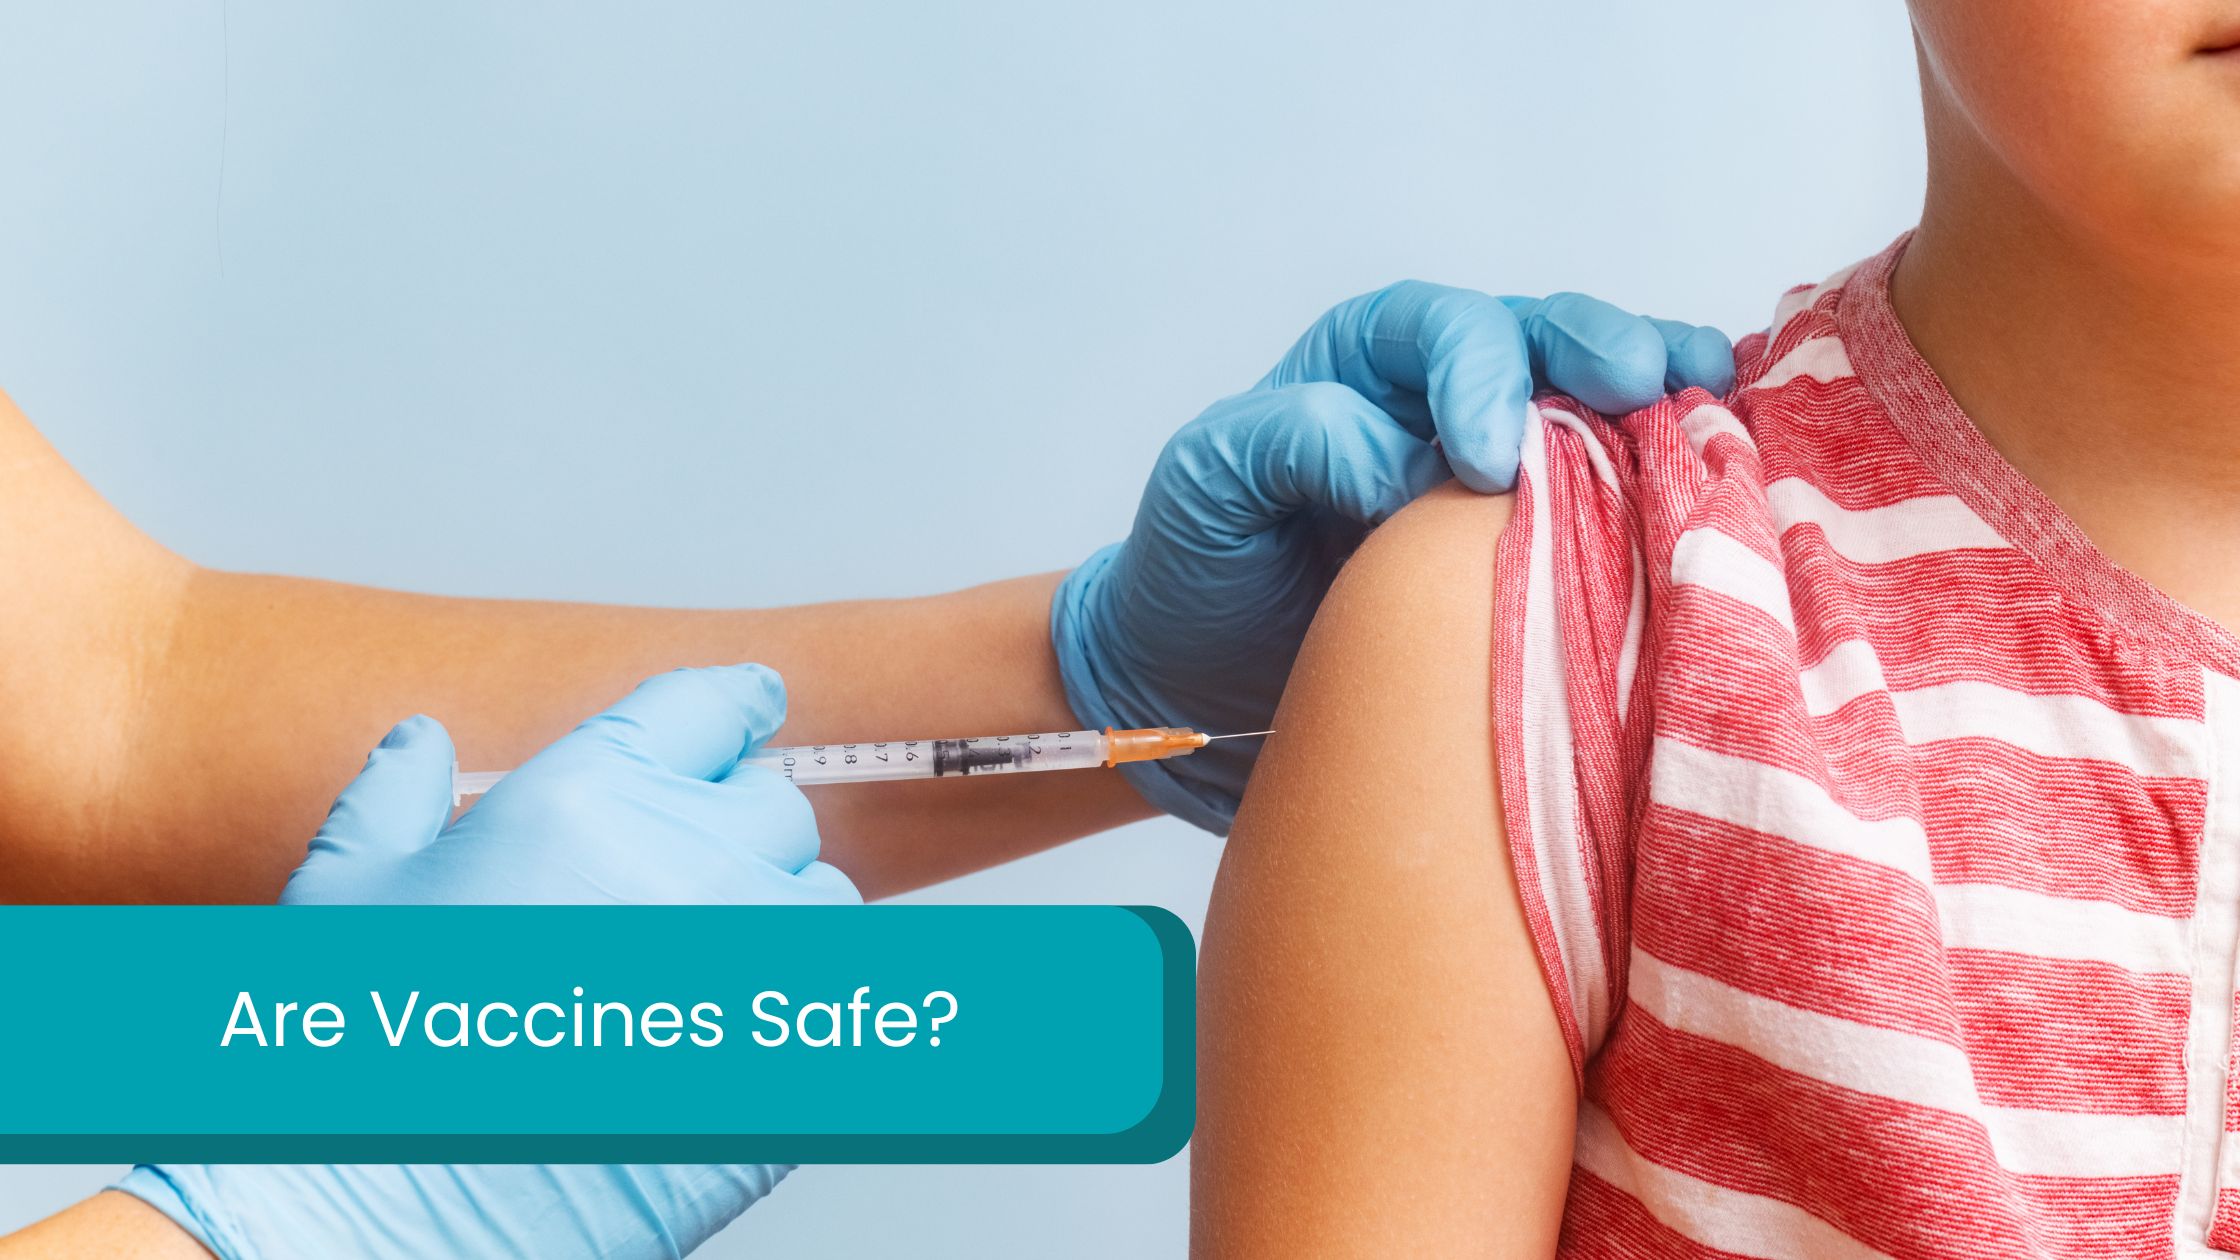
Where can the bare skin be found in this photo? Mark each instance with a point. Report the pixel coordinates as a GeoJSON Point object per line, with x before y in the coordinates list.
{"type": "Point", "coordinates": [1381, 1073]}
{"type": "Point", "coordinates": [175, 734]}
{"type": "Point", "coordinates": [187, 728]}
{"type": "Point", "coordinates": [2075, 279]}
{"type": "Point", "coordinates": [108, 1226]}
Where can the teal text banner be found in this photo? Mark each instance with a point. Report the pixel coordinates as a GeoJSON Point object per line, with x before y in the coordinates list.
{"type": "Point", "coordinates": [595, 1034]}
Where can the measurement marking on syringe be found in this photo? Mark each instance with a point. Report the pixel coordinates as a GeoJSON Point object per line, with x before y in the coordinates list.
{"type": "Point", "coordinates": [820, 764]}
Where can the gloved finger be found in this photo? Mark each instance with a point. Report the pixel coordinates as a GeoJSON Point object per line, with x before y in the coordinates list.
{"type": "Point", "coordinates": [692, 722]}
{"type": "Point", "coordinates": [766, 813]}
{"type": "Point", "coordinates": [1444, 361]}
{"type": "Point", "coordinates": [1323, 445]}
{"type": "Point", "coordinates": [399, 801]}
{"type": "Point", "coordinates": [1695, 356]}
{"type": "Point", "coordinates": [1607, 358]}
{"type": "Point", "coordinates": [822, 884]}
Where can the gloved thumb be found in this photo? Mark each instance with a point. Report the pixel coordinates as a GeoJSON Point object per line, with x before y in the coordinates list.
{"type": "Point", "coordinates": [397, 803]}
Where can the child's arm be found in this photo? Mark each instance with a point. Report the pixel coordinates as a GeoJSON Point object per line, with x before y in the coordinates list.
{"type": "Point", "coordinates": [1381, 1070]}
{"type": "Point", "coordinates": [172, 733]}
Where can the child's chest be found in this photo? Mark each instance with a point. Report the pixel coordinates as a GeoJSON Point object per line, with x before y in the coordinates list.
{"type": "Point", "coordinates": [1953, 845]}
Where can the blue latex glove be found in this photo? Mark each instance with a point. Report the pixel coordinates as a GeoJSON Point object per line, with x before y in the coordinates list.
{"type": "Point", "coordinates": [1196, 618]}
{"type": "Point", "coordinates": [415, 1211]}
{"type": "Point", "coordinates": [646, 802]}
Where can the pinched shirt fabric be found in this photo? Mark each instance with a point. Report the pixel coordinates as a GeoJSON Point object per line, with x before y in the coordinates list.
{"type": "Point", "coordinates": [1879, 837]}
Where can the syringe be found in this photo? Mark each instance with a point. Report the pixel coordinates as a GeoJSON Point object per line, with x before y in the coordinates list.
{"type": "Point", "coordinates": [811, 764]}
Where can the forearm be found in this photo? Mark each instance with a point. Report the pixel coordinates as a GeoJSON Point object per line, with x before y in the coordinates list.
{"type": "Point", "coordinates": [171, 733]}
{"type": "Point", "coordinates": [266, 693]}
{"type": "Point", "coordinates": [108, 1226]}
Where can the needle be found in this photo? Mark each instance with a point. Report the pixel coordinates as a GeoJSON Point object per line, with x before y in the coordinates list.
{"type": "Point", "coordinates": [1238, 735]}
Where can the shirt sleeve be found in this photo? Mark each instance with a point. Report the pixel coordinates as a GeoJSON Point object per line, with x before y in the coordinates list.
{"type": "Point", "coordinates": [1571, 739]}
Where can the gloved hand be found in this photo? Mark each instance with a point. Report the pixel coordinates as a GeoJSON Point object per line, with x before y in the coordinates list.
{"type": "Point", "coordinates": [412, 1211]}
{"type": "Point", "coordinates": [646, 802]}
{"type": "Point", "coordinates": [1196, 618]}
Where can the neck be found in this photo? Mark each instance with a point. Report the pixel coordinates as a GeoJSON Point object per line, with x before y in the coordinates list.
{"type": "Point", "coordinates": [2061, 348]}
{"type": "Point", "coordinates": [2108, 373]}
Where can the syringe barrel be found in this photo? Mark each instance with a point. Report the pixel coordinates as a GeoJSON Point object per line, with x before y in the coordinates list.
{"type": "Point", "coordinates": [808, 765]}
{"type": "Point", "coordinates": [811, 764]}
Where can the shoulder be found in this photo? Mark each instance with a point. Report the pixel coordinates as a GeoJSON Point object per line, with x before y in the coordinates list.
{"type": "Point", "coordinates": [1446, 517]}
{"type": "Point", "coordinates": [1413, 609]}
{"type": "Point", "coordinates": [1442, 540]}
{"type": "Point", "coordinates": [1398, 662]}
{"type": "Point", "coordinates": [1369, 872]}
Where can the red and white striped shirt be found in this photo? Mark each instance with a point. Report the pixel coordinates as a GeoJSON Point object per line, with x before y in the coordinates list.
{"type": "Point", "coordinates": [1880, 837]}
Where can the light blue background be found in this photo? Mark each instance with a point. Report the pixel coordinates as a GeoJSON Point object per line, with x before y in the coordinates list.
{"type": "Point", "coordinates": [713, 304]}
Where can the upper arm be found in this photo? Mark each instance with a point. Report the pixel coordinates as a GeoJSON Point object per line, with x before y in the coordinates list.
{"type": "Point", "coordinates": [1381, 1071]}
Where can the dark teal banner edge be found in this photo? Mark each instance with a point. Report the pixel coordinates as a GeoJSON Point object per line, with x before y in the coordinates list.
{"type": "Point", "coordinates": [1159, 1135]}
